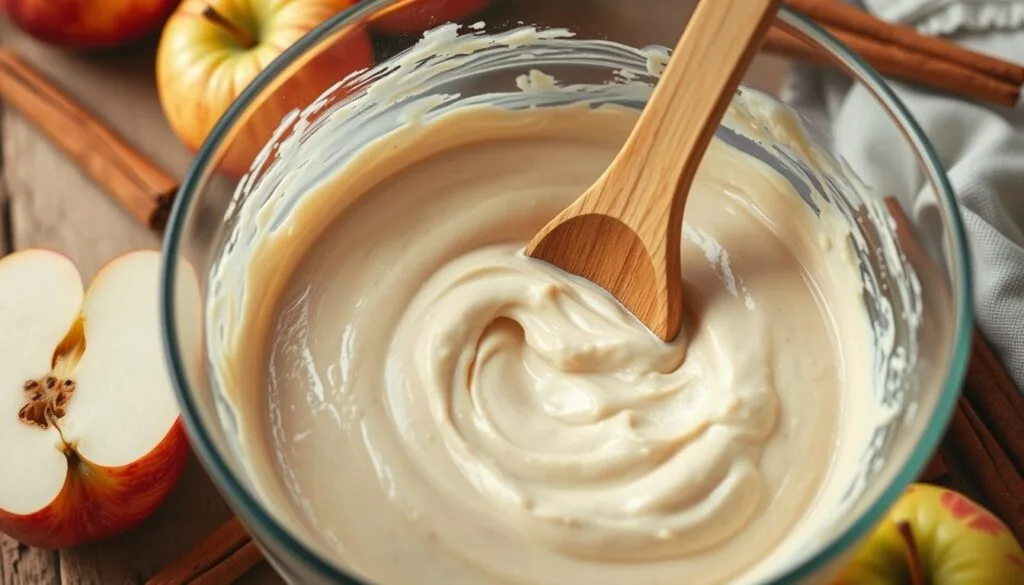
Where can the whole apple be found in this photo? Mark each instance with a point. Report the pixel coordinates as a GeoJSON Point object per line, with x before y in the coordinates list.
{"type": "Point", "coordinates": [211, 50]}
{"type": "Point", "coordinates": [413, 17]}
{"type": "Point", "coordinates": [936, 536]}
{"type": "Point", "coordinates": [91, 436]}
{"type": "Point", "coordinates": [88, 23]}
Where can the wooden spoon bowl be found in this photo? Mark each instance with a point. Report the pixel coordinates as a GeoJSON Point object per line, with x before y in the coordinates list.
{"type": "Point", "coordinates": [624, 233]}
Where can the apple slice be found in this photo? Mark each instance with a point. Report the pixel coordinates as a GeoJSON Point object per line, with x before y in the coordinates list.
{"type": "Point", "coordinates": [90, 437]}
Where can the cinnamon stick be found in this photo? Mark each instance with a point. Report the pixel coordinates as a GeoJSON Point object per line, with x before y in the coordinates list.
{"type": "Point", "coordinates": [138, 185]}
{"type": "Point", "coordinates": [1001, 484]}
{"type": "Point", "coordinates": [220, 559]}
{"type": "Point", "coordinates": [230, 569]}
{"type": "Point", "coordinates": [937, 471]}
{"type": "Point", "coordinates": [904, 64]}
{"type": "Point", "coordinates": [838, 15]}
{"type": "Point", "coordinates": [995, 398]}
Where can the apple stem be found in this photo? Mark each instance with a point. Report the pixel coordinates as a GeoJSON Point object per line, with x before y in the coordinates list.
{"type": "Point", "coordinates": [244, 38]}
{"type": "Point", "coordinates": [913, 553]}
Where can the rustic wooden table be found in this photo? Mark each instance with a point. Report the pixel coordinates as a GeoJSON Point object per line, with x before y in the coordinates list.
{"type": "Point", "coordinates": [45, 200]}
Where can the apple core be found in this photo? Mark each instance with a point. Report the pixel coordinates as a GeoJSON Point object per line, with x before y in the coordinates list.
{"type": "Point", "coordinates": [47, 396]}
{"type": "Point", "coordinates": [47, 399]}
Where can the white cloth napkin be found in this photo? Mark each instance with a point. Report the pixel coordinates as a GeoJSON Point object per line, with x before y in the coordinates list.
{"type": "Point", "coordinates": [943, 17]}
{"type": "Point", "coordinates": [981, 146]}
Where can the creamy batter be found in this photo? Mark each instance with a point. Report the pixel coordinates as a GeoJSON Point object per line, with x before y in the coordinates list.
{"type": "Point", "coordinates": [439, 408]}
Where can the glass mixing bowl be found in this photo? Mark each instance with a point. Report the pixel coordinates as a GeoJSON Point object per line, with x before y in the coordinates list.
{"type": "Point", "coordinates": [917, 284]}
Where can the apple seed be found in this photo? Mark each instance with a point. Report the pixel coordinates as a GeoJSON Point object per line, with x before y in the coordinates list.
{"type": "Point", "coordinates": [47, 400]}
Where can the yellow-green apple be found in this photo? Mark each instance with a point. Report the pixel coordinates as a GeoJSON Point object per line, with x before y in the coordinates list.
{"type": "Point", "coordinates": [88, 23]}
{"type": "Point", "coordinates": [90, 435]}
{"type": "Point", "coordinates": [211, 50]}
{"type": "Point", "coordinates": [936, 536]}
{"type": "Point", "coordinates": [412, 17]}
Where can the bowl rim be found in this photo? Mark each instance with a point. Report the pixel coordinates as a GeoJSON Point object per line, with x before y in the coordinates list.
{"type": "Point", "coordinates": [254, 514]}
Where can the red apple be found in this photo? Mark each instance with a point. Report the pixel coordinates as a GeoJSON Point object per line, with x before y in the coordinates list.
{"type": "Point", "coordinates": [936, 536]}
{"type": "Point", "coordinates": [413, 17]}
{"type": "Point", "coordinates": [90, 435]}
{"type": "Point", "coordinates": [88, 23]}
{"type": "Point", "coordinates": [211, 50]}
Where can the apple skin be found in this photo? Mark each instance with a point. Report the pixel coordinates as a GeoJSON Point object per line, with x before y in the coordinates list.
{"type": "Point", "coordinates": [201, 70]}
{"type": "Point", "coordinates": [960, 543]}
{"type": "Point", "coordinates": [88, 23]}
{"type": "Point", "coordinates": [416, 16]}
{"type": "Point", "coordinates": [99, 502]}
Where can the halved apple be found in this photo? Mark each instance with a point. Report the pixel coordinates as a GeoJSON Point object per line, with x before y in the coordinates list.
{"type": "Point", "coordinates": [90, 437]}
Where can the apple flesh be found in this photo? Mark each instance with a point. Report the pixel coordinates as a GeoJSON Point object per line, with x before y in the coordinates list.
{"type": "Point", "coordinates": [88, 23]}
{"type": "Point", "coordinates": [936, 536]}
{"type": "Point", "coordinates": [90, 435]}
{"type": "Point", "coordinates": [211, 50]}
{"type": "Point", "coordinates": [413, 17]}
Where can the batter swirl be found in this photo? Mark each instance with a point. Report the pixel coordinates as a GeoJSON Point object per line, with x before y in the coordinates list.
{"type": "Point", "coordinates": [430, 406]}
{"type": "Point", "coordinates": [587, 432]}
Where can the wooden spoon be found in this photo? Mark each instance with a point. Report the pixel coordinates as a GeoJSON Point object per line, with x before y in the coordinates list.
{"type": "Point", "coordinates": [624, 233]}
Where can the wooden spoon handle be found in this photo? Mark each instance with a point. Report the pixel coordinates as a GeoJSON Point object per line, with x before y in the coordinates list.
{"type": "Point", "coordinates": [624, 233]}
{"type": "Point", "coordinates": [721, 35]}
